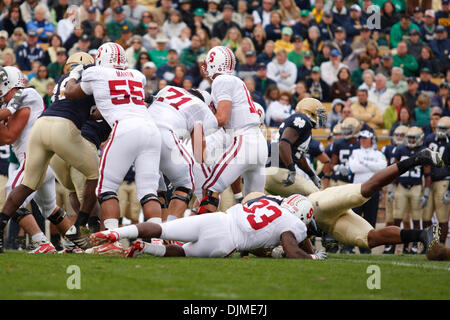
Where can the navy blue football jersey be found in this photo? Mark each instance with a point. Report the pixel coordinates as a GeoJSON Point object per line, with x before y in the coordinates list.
{"type": "Point", "coordinates": [389, 151]}
{"type": "Point", "coordinates": [96, 131]}
{"type": "Point", "coordinates": [315, 149]}
{"type": "Point", "coordinates": [414, 175]}
{"type": "Point", "coordinates": [300, 123]}
{"type": "Point", "coordinates": [437, 145]}
{"type": "Point", "coordinates": [343, 149]}
{"type": "Point", "coordinates": [78, 111]}
{"type": "Point", "coordinates": [329, 152]}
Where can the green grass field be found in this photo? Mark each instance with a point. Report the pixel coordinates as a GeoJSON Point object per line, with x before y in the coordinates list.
{"type": "Point", "coordinates": [24, 276]}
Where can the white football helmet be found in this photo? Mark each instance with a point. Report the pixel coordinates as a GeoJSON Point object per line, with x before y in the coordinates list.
{"type": "Point", "coordinates": [260, 111]}
{"type": "Point", "coordinates": [299, 206]}
{"type": "Point", "coordinates": [111, 55]}
{"type": "Point", "coordinates": [219, 60]}
{"type": "Point", "coordinates": [10, 78]}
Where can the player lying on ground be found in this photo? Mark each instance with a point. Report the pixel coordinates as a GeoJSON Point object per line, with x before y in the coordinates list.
{"type": "Point", "coordinates": [262, 223]}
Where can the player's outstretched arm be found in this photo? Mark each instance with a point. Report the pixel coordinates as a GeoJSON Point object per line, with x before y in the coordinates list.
{"type": "Point", "coordinates": [291, 248]}
{"type": "Point", "coordinates": [73, 90]}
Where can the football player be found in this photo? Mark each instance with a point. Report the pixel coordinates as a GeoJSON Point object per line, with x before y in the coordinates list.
{"type": "Point", "coordinates": [409, 187]}
{"type": "Point", "coordinates": [437, 182]}
{"type": "Point", "coordinates": [135, 139]}
{"type": "Point", "coordinates": [262, 223]}
{"type": "Point", "coordinates": [236, 113]}
{"type": "Point", "coordinates": [293, 141]}
{"type": "Point", "coordinates": [336, 134]}
{"type": "Point", "coordinates": [398, 139]}
{"type": "Point", "coordinates": [181, 115]}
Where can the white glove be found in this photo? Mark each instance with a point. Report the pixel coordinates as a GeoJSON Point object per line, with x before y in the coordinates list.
{"type": "Point", "coordinates": [76, 72]}
{"type": "Point", "coordinates": [316, 181]}
{"type": "Point", "coordinates": [343, 170]}
{"type": "Point", "coordinates": [319, 255]}
{"type": "Point", "coordinates": [277, 252]}
{"type": "Point", "coordinates": [446, 198]}
{"type": "Point", "coordinates": [424, 198]}
{"type": "Point", "coordinates": [16, 102]}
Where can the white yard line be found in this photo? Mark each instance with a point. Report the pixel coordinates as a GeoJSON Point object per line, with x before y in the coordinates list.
{"type": "Point", "coordinates": [396, 263]}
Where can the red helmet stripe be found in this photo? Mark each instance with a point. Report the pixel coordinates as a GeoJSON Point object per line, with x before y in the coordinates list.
{"type": "Point", "coordinates": [231, 57]}
{"type": "Point", "coordinates": [118, 54]}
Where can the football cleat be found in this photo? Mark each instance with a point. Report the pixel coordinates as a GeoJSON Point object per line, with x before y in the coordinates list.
{"type": "Point", "coordinates": [430, 236]}
{"type": "Point", "coordinates": [414, 248]}
{"type": "Point", "coordinates": [430, 157]}
{"type": "Point", "coordinates": [389, 249]}
{"type": "Point", "coordinates": [136, 249]}
{"type": "Point", "coordinates": [101, 237]}
{"type": "Point", "coordinates": [172, 243]}
{"type": "Point", "coordinates": [109, 248]}
{"type": "Point", "coordinates": [79, 240]}
{"type": "Point", "coordinates": [43, 248]}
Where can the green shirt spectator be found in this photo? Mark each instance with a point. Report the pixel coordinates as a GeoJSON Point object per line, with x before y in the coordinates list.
{"type": "Point", "coordinates": [405, 61]}
{"type": "Point", "coordinates": [160, 53]}
{"type": "Point", "coordinates": [401, 29]}
{"type": "Point", "coordinates": [296, 55]}
{"type": "Point", "coordinates": [114, 28]}
{"type": "Point", "coordinates": [190, 54]}
{"type": "Point", "coordinates": [422, 111]}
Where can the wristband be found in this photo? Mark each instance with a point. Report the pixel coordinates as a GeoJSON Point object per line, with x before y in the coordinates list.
{"type": "Point", "coordinates": [286, 140]}
{"type": "Point", "coordinates": [238, 196]}
{"type": "Point", "coordinates": [427, 174]}
{"type": "Point", "coordinates": [327, 177]}
{"type": "Point", "coordinates": [291, 167]}
{"type": "Point", "coordinates": [11, 109]}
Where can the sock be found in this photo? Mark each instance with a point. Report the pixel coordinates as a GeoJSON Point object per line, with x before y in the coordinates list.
{"type": "Point", "coordinates": [94, 223]}
{"type": "Point", "coordinates": [171, 217]}
{"type": "Point", "coordinates": [39, 238]}
{"type": "Point", "coordinates": [55, 239]}
{"type": "Point", "coordinates": [3, 221]}
{"type": "Point", "coordinates": [82, 219]}
{"type": "Point", "coordinates": [111, 223]}
{"type": "Point", "coordinates": [128, 232]}
{"type": "Point", "coordinates": [156, 250]}
{"type": "Point", "coordinates": [155, 220]}
{"type": "Point", "coordinates": [410, 235]}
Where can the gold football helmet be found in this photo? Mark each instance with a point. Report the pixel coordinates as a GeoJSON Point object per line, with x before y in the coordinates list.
{"type": "Point", "coordinates": [443, 128]}
{"type": "Point", "coordinates": [78, 58]}
{"type": "Point", "coordinates": [350, 128]}
{"type": "Point", "coordinates": [400, 135]}
{"type": "Point", "coordinates": [314, 110]}
{"type": "Point", "coordinates": [414, 137]}
{"type": "Point", "coordinates": [337, 131]}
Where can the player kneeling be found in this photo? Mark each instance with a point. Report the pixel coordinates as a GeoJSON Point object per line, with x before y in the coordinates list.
{"type": "Point", "coordinates": [261, 223]}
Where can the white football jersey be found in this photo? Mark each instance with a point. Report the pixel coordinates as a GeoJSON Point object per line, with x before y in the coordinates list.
{"type": "Point", "coordinates": [118, 94]}
{"type": "Point", "coordinates": [261, 224]}
{"type": "Point", "coordinates": [176, 109]}
{"type": "Point", "coordinates": [244, 114]}
{"type": "Point", "coordinates": [33, 101]}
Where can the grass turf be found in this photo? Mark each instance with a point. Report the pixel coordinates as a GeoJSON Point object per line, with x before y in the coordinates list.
{"type": "Point", "coordinates": [25, 276]}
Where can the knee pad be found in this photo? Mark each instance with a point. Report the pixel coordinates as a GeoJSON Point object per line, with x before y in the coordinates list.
{"type": "Point", "coordinates": [186, 198]}
{"type": "Point", "coordinates": [102, 197]}
{"type": "Point", "coordinates": [19, 215]}
{"type": "Point", "coordinates": [208, 199]}
{"type": "Point", "coordinates": [57, 217]}
{"type": "Point", "coordinates": [149, 197]}
{"type": "Point", "coordinates": [163, 195]}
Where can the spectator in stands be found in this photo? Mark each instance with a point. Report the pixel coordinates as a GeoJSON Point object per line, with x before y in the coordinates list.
{"type": "Point", "coordinates": [366, 111]}
{"type": "Point", "coordinates": [13, 20]}
{"type": "Point", "coordinates": [273, 29]}
{"type": "Point", "coordinates": [221, 27]}
{"type": "Point", "coordinates": [316, 87]}
{"type": "Point", "coordinates": [389, 16]}
{"type": "Point", "coordinates": [199, 17]}
{"type": "Point", "coordinates": [343, 88]}
{"type": "Point", "coordinates": [373, 52]}
{"type": "Point", "coordinates": [443, 16]}
{"type": "Point", "coordinates": [27, 9]}
{"type": "Point", "coordinates": [435, 116]}
{"type": "Point", "coordinates": [162, 13]}
{"type": "Point", "coordinates": [55, 43]}
{"type": "Point", "coordinates": [417, 16]}
{"type": "Point", "coordinates": [43, 27]}
{"type": "Point", "coordinates": [149, 71]}
{"type": "Point", "coordinates": [9, 58]}
{"type": "Point", "coordinates": [173, 26]}
{"type": "Point", "coordinates": [180, 73]}
{"type": "Point", "coordinates": [91, 21]}
{"type": "Point", "coordinates": [422, 110]}
{"type": "Point", "coordinates": [327, 26]}
{"type": "Point", "coordinates": [188, 83]}
{"type": "Point", "coordinates": [142, 27]}
{"type": "Point", "coordinates": [83, 11]}
{"type": "Point", "coordinates": [134, 11]}
{"type": "Point", "coordinates": [233, 39]}
{"type": "Point", "coordinates": [56, 68]}
{"type": "Point", "coordinates": [271, 94]}
{"type": "Point", "coordinates": [364, 40]}
{"type": "Point", "coordinates": [439, 98]}
{"type": "Point", "coordinates": [18, 37]}
{"type": "Point", "coordinates": [381, 96]}
{"type": "Point", "coordinates": [312, 42]}
{"type": "Point", "coordinates": [261, 79]}
{"type": "Point", "coordinates": [204, 39]}
{"type": "Point", "coordinates": [142, 58]}
{"type": "Point", "coordinates": [49, 93]}
{"type": "Point", "coordinates": [356, 22]}
{"type": "Point", "coordinates": [34, 69]}
{"type": "Point", "coordinates": [246, 45]}
{"type": "Point", "coordinates": [285, 41]}
{"type": "Point", "coordinates": [247, 69]}
{"type": "Point", "coordinates": [335, 115]}
{"type": "Point", "coordinates": [302, 26]}
{"type": "Point", "coordinates": [150, 37]}
{"type": "Point", "coordinates": [317, 11]}
{"type": "Point", "coordinates": [404, 60]}
{"type": "Point", "coordinates": [115, 28]}
{"type": "Point", "coordinates": [189, 55]}
{"type": "Point", "coordinates": [425, 85]}
{"type": "Point", "coordinates": [441, 45]}
{"type": "Point", "coordinates": [397, 83]}
{"type": "Point", "coordinates": [3, 44]}
{"type": "Point", "coordinates": [340, 43]}
{"type": "Point", "coordinates": [296, 55]}
{"type": "Point", "coordinates": [428, 29]}
{"type": "Point", "coordinates": [239, 15]}
{"type": "Point", "coordinates": [40, 82]}
{"type": "Point", "coordinates": [364, 62]}
{"type": "Point", "coordinates": [108, 14]}
{"type": "Point", "coordinates": [405, 119]}
{"type": "Point", "coordinates": [412, 93]}
{"type": "Point", "coordinates": [132, 52]}
{"type": "Point", "coordinates": [391, 114]}
{"type": "Point", "coordinates": [263, 13]}
{"type": "Point", "coordinates": [279, 110]}
{"type": "Point", "coordinates": [183, 41]}
{"type": "Point", "coordinates": [282, 71]}
{"type": "Point", "coordinates": [255, 95]}
{"type": "Point", "coordinates": [259, 39]}
{"type": "Point", "coordinates": [324, 54]}
{"type": "Point", "coordinates": [78, 31]}
{"type": "Point", "coordinates": [446, 108]}
{"type": "Point", "coordinates": [159, 54]}
{"type": "Point", "coordinates": [167, 70]}
{"type": "Point", "coordinates": [81, 46]}
{"type": "Point", "coordinates": [212, 15]}
{"type": "Point", "coordinates": [386, 65]}
{"type": "Point", "coordinates": [268, 54]}
{"type": "Point", "coordinates": [368, 80]}
{"type": "Point", "coordinates": [29, 51]}
{"type": "Point", "coordinates": [66, 26]}
{"type": "Point", "coordinates": [289, 12]}
{"type": "Point", "coordinates": [99, 37]}
{"type": "Point", "coordinates": [401, 29]}
{"type": "Point", "coordinates": [415, 44]}
{"type": "Point", "coordinates": [300, 92]}
{"type": "Point", "coordinates": [330, 68]}
{"type": "Point", "coordinates": [427, 60]}
{"type": "Point", "coordinates": [340, 14]}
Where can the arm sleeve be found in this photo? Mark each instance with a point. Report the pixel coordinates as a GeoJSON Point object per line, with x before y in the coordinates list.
{"type": "Point", "coordinates": [87, 78]}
